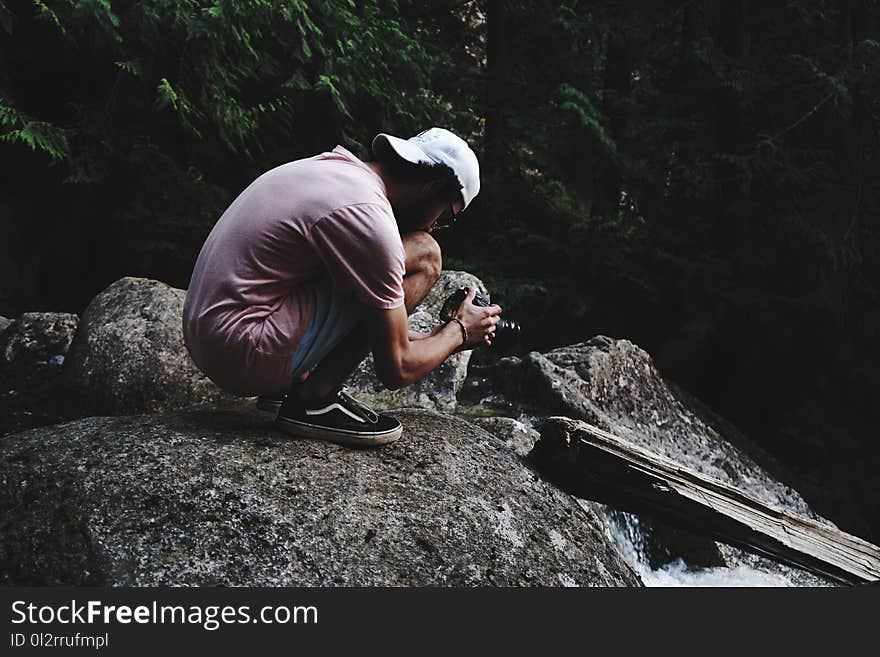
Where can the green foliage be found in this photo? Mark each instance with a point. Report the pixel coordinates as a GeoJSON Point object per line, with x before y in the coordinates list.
{"type": "Point", "coordinates": [225, 88]}
{"type": "Point", "coordinates": [578, 103]}
{"type": "Point", "coordinates": [37, 135]}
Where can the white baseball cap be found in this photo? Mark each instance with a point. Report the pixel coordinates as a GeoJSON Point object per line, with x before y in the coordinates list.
{"type": "Point", "coordinates": [437, 145]}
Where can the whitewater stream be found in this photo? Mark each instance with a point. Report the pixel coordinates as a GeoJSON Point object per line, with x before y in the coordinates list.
{"type": "Point", "coordinates": [744, 569]}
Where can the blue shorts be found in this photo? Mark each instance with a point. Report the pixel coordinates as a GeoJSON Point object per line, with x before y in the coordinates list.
{"type": "Point", "coordinates": [336, 314]}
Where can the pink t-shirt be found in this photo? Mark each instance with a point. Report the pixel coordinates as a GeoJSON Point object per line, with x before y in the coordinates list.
{"type": "Point", "coordinates": [249, 301]}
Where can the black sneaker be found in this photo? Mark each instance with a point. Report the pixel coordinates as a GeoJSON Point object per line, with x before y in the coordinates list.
{"type": "Point", "coordinates": [270, 403]}
{"type": "Point", "coordinates": [339, 418]}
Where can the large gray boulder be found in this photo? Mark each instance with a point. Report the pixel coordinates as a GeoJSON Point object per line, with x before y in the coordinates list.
{"type": "Point", "coordinates": [36, 338]}
{"type": "Point", "coordinates": [128, 354]}
{"type": "Point", "coordinates": [438, 389]}
{"type": "Point", "coordinates": [613, 384]}
{"type": "Point", "coordinates": [212, 497]}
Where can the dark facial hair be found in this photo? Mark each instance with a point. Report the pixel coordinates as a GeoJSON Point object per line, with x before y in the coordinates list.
{"type": "Point", "coordinates": [415, 215]}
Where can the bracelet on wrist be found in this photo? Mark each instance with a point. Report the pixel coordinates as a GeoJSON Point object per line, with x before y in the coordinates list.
{"type": "Point", "coordinates": [464, 333]}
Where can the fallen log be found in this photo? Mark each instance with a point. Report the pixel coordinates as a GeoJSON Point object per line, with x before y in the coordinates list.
{"type": "Point", "coordinates": [594, 464]}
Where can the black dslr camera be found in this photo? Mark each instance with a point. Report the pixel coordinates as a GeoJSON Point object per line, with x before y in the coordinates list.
{"type": "Point", "coordinates": [507, 332]}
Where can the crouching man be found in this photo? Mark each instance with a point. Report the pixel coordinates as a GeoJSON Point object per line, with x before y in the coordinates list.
{"type": "Point", "coordinates": [321, 260]}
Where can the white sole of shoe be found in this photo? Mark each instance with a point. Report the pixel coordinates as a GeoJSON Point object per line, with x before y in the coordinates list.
{"type": "Point", "coordinates": [338, 436]}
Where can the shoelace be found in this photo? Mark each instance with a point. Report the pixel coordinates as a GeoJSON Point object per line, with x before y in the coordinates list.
{"type": "Point", "coordinates": [369, 414]}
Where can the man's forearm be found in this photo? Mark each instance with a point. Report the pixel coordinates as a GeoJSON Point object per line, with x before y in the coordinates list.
{"type": "Point", "coordinates": [427, 351]}
{"type": "Point", "coordinates": [418, 335]}
{"type": "Point", "coordinates": [399, 360]}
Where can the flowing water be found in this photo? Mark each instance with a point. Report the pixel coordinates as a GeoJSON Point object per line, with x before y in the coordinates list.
{"type": "Point", "coordinates": [743, 569]}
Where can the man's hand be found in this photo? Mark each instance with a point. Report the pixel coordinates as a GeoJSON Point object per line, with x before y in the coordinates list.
{"type": "Point", "coordinates": [480, 322]}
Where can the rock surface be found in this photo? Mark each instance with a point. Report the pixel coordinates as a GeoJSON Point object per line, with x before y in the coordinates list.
{"type": "Point", "coordinates": [32, 352]}
{"type": "Point", "coordinates": [36, 338]}
{"type": "Point", "coordinates": [128, 354]}
{"type": "Point", "coordinates": [438, 389]}
{"type": "Point", "coordinates": [512, 432]}
{"type": "Point", "coordinates": [205, 497]}
{"type": "Point", "coordinates": [613, 384]}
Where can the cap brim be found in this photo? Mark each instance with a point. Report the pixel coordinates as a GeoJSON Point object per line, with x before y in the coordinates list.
{"type": "Point", "coordinates": [403, 148]}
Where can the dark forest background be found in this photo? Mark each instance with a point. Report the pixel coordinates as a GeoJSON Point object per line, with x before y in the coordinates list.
{"type": "Point", "coordinates": [701, 177]}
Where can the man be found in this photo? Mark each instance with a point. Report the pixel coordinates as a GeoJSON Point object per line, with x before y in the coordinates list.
{"type": "Point", "coordinates": [321, 260]}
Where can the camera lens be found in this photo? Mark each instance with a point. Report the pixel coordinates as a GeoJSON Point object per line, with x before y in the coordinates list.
{"type": "Point", "coordinates": [507, 334]}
